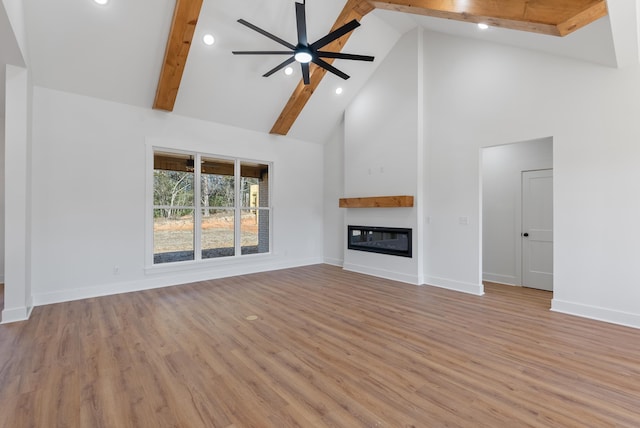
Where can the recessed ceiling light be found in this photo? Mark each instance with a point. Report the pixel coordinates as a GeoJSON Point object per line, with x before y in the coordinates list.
{"type": "Point", "coordinates": [101, 2]}
{"type": "Point", "coordinates": [208, 39]}
{"type": "Point", "coordinates": [338, 91]}
{"type": "Point", "coordinates": [483, 26]}
{"type": "Point", "coordinates": [288, 71]}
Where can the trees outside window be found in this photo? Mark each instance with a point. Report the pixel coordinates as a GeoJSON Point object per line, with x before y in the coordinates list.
{"type": "Point", "coordinates": [226, 215]}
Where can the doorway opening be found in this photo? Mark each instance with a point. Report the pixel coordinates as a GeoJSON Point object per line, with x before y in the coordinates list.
{"type": "Point", "coordinates": [517, 214]}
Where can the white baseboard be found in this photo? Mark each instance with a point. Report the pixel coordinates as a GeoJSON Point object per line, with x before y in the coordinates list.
{"type": "Point", "coordinates": [597, 313]}
{"type": "Point", "coordinates": [167, 280]}
{"type": "Point", "coordinates": [333, 262]}
{"type": "Point", "coordinates": [449, 284]}
{"type": "Point", "coordinates": [500, 279]}
{"type": "Point", "coordinates": [16, 314]}
{"type": "Point", "coordinates": [382, 273]}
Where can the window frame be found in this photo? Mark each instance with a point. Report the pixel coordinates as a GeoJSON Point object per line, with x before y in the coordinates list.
{"type": "Point", "coordinates": [198, 208]}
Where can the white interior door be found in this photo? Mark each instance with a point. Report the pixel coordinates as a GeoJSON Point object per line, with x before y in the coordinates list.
{"type": "Point", "coordinates": [537, 229]}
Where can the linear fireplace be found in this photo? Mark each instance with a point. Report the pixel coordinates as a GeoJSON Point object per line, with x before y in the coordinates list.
{"type": "Point", "coordinates": [385, 240]}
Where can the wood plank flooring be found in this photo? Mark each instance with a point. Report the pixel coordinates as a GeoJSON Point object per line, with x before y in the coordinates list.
{"type": "Point", "coordinates": [328, 349]}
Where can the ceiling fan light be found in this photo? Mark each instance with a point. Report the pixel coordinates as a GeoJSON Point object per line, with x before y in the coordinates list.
{"type": "Point", "coordinates": [303, 57]}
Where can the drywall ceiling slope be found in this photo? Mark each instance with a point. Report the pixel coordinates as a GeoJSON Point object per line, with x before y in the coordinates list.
{"type": "Point", "coordinates": [625, 17]}
{"type": "Point", "coordinates": [593, 43]}
{"type": "Point", "coordinates": [112, 52]}
{"type": "Point", "coordinates": [219, 86]}
{"type": "Point", "coordinates": [222, 87]}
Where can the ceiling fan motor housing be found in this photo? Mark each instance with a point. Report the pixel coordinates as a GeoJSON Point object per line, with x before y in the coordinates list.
{"type": "Point", "coordinates": [303, 52]}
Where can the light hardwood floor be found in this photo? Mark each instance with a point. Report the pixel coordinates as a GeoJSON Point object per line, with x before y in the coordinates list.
{"type": "Point", "coordinates": [329, 348]}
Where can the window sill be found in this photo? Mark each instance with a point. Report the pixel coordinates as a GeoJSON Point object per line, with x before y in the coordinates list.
{"type": "Point", "coordinates": [200, 265]}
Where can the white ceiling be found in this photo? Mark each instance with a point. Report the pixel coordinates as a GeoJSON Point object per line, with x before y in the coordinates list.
{"type": "Point", "coordinates": [115, 52]}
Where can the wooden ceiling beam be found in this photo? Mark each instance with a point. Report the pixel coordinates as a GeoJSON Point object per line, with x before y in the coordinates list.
{"type": "Point", "coordinates": [183, 25]}
{"type": "Point", "coordinates": [592, 13]}
{"type": "Point", "coordinates": [551, 17]}
{"type": "Point", "coordinates": [353, 9]}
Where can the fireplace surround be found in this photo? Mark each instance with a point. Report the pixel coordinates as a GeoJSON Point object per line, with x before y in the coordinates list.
{"type": "Point", "coordinates": [393, 241]}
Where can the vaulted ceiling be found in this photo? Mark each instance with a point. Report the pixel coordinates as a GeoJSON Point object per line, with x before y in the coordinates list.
{"type": "Point", "coordinates": [551, 17]}
{"type": "Point", "coordinates": [116, 52]}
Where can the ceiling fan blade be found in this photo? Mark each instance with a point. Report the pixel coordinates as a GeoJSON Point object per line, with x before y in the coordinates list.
{"type": "Point", "coordinates": [279, 67]}
{"type": "Point", "coordinates": [336, 34]}
{"type": "Point", "coordinates": [262, 52]}
{"type": "Point", "coordinates": [266, 34]}
{"type": "Point", "coordinates": [305, 72]}
{"type": "Point", "coordinates": [330, 68]}
{"type": "Point", "coordinates": [301, 21]}
{"type": "Point", "coordinates": [340, 55]}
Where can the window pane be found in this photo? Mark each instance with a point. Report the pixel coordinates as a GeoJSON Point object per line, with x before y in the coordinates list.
{"type": "Point", "coordinates": [217, 183]}
{"type": "Point", "coordinates": [254, 231]}
{"type": "Point", "coordinates": [172, 235]}
{"type": "Point", "coordinates": [254, 188]}
{"type": "Point", "coordinates": [217, 233]}
{"type": "Point", "coordinates": [172, 179]}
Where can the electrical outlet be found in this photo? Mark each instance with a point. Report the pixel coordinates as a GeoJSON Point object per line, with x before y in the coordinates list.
{"type": "Point", "coordinates": [116, 270]}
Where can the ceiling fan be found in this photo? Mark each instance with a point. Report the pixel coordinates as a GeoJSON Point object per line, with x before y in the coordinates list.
{"type": "Point", "coordinates": [305, 52]}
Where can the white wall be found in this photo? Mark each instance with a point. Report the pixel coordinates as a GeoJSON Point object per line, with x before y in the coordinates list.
{"type": "Point", "coordinates": [88, 197]}
{"type": "Point", "coordinates": [481, 95]}
{"type": "Point", "coordinates": [2, 181]}
{"type": "Point", "coordinates": [381, 155]}
{"type": "Point", "coordinates": [333, 217]}
{"type": "Point", "coordinates": [17, 185]}
{"type": "Point", "coordinates": [502, 168]}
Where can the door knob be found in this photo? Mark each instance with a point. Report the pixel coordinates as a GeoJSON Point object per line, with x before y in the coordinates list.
{"type": "Point", "coordinates": [525, 234]}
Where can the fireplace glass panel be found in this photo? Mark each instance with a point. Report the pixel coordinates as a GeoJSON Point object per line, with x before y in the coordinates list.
{"type": "Point", "coordinates": [384, 240]}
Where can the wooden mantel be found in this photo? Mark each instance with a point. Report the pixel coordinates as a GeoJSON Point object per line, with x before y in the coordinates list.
{"type": "Point", "coordinates": [377, 202]}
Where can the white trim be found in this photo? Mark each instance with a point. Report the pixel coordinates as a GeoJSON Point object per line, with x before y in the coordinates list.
{"type": "Point", "coordinates": [420, 245]}
{"type": "Point", "coordinates": [596, 313]}
{"type": "Point", "coordinates": [500, 279]}
{"type": "Point", "coordinates": [16, 314]}
{"type": "Point", "coordinates": [197, 207]}
{"type": "Point", "coordinates": [237, 208]}
{"type": "Point", "coordinates": [148, 206]}
{"type": "Point", "coordinates": [382, 273]}
{"type": "Point", "coordinates": [449, 284]}
{"type": "Point", "coordinates": [185, 277]}
{"type": "Point", "coordinates": [480, 217]}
